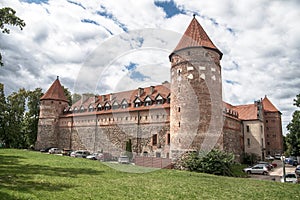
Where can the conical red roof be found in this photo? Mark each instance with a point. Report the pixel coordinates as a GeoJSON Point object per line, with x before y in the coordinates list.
{"type": "Point", "coordinates": [195, 36]}
{"type": "Point", "coordinates": [55, 92]}
{"type": "Point", "coordinates": [268, 106]}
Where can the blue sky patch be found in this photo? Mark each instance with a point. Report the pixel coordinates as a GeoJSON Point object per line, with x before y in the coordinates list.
{"type": "Point", "coordinates": [89, 21]}
{"type": "Point", "coordinates": [170, 8]}
{"type": "Point", "coordinates": [108, 15]}
{"type": "Point", "coordinates": [76, 3]}
{"type": "Point", "coordinates": [138, 76]}
{"type": "Point", "coordinates": [36, 1]}
{"type": "Point", "coordinates": [231, 82]}
{"type": "Point", "coordinates": [131, 66]}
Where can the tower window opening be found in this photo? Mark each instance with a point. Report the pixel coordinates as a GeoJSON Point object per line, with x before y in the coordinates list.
{"type": "Point", "coordinates": [154, 139]}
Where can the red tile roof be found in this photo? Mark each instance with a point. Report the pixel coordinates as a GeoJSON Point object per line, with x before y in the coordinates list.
{"type": "Point", "coordinates": [130, 96]}
{"type": "Point", "coordinates": [55, 92]}
{"type": "Point", "coordinates": [268, 106]}
{"type": "Point", "coordinates": [195, 36]}
{"type": "Point", "coordinates": [247, 112]}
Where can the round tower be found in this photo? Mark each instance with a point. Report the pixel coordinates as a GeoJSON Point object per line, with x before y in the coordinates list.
{"type": "Point", "coordinates": [52, 104]}
{"type": "Point", "coordinates": [196, 119]}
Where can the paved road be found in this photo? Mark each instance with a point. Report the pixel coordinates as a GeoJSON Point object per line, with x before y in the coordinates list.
{"type": "Point", "coordinates": [276, 173]}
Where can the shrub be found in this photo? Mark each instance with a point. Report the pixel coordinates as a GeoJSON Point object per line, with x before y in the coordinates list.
{"type": "Point", "coordinates": [214, 162]}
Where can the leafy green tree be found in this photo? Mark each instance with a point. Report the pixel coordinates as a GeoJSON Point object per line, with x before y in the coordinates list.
{"type": "Point", "coordinates": [3, 115]}
{"type": "Point", "coordinates": [32, 115]}
{"type": "Point", "coordinates": [293, 137]}
{"type": "Point", "coordinates": [214, 162]}
{"type": "Point", "coordinates": [8, 17]}
{"type": "Point", "coordinates": [15, 135]}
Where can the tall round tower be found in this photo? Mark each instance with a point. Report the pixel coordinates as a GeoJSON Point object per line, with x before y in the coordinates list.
{"type": "Point", "coordinates": [196, 119]}
{"type": "Point", "coordinates": [52, 104]}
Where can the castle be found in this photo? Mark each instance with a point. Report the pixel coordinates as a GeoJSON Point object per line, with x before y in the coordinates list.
{"type": "Point", "coordinates": [165, 120]}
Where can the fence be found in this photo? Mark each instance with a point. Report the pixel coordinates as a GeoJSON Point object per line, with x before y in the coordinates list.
{"type": "Point", "coordinates": [154, 162]}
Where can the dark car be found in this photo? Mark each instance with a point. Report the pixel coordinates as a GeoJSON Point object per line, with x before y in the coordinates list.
{"type": "Point", "coordinates": [291, 161]}
{"type": "Point", "coordinates": [46, 150]}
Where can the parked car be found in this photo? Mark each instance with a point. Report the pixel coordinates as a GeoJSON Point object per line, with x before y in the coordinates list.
{"type": "Point", "coordinates": [123, 160]}
{"type": "Point", "coordinates": [291, 161]}
{"type": "Point", "coordinates": [45, 150]}
{"type": "Point", "coordinates": [257, 169]}
{"type": "Point", "coordinates": [289, 178]}
{"type": "Point", "coordinates": [54, 151]}
{"type": "Point", "coordinates": [66, 152]}
{"type": "Point", "coordinates": [95, 156]}
{"type": "Point", "coordinates": [297, 170]}
{"type": "Point", "coordinates": [277, 156]}
{"type": "Point", "coordinates": [80, 154]}
{"type": "Point", "coordinates": [269, 157]}
{"type": "Point", "coordinates": [268, 165]}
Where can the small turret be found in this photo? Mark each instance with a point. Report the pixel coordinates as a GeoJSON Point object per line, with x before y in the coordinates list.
{"type": "Point", "coordinates": [52, 104]}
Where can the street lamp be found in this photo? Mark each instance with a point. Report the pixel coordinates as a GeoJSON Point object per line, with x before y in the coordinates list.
{"type": "Point", "coordinates": [283, 167]}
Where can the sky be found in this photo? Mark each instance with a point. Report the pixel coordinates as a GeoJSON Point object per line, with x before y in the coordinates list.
{"type": "Point", "coordinates": [109, 46]}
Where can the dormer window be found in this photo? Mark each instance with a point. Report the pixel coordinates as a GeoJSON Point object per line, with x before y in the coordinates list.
{"type": "Point", "coordinates": [137, 103]}
{"type": "Point", "coordinates": [99, 107]}
{"type": "Point", "coordinates": [169, 99]}
{"type": "Point", "coordinates": [75, 109]}
{"type": "Point", "coordinates": [124, 104]}
{"type": "Point", "coordinates": [91, 108]}
{"type": "Point", "coordinates": [159, 99]}
{"type": "Point", "coordinates": [107, 106]}
{"type": "Point", "coordinates": [148, 101]}
{"type": "Point", "coordinates": [115, 105]}
{"type": "Point", "coordinates": [81, 109]}
{"type": "Point", "coordinates": [66, 109]}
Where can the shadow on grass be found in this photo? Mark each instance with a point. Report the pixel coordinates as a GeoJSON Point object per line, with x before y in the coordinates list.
{"type": "Point", "coordinates": [22, 177]}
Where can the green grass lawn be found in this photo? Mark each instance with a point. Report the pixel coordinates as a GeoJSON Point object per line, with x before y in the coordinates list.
{"type": "Point", "coordinates": [33, 175]}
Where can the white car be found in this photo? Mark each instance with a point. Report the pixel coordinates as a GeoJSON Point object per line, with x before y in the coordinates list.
{"type": "Point", "coordinates": [257, 169]}
{"type": "Point", "coordinates": [289, 178]}
{"type": "Point", "coordinates": [123, 159]}
{"type": "Point", "coordinates": [54, 151]}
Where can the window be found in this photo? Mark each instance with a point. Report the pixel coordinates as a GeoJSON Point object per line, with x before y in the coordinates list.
{"type": "Point", "coordinates": [148, 101]}
{"type": "Point", "coordinates": [159, 99]}
{"type": "Point", "coordinates": [154, 139]}
{"type": "Point", "coordinates": [178, 109]}
{"type": "Point", "coordinates": [137, 103]}
{"type": "Point", "coordinates": [169, 99]}
{"type": "Point", "coordinates": [248, 142]}
{"type": "Point", "coordinates": [99, 107]}
{"type": "Point", "coordinates": [106, 106]}
{"type": "Point", "coordinates": [168, 138]}
{"type": "Point", "coordinates": [124, 104]}
{"type": "Point", "coordinates": [248, 128]}
{"type": "Point", "coordinates": [81, 109]}
{"type": "Point", "coordinates": [178, 124]}
{"type": "Point", "coordinates": [75, 109]}
{"type": "Point", "coordinates": [91, 108]}
{"type": "Point", "coordinates": [115, 105]}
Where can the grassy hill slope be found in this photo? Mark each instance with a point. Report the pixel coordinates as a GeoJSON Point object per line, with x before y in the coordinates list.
{"type": "Point", "coordinates": [33, 175]}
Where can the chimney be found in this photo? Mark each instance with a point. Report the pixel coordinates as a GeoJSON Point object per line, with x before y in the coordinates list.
{"type": "Point", "coordinates": [140, 91]}
{"type": "Point", "coordinates": [103, 97]}
{"type": "Point", "coordinates": [152, 90]}
{"type": "Point", "coordinates": [111, 96]}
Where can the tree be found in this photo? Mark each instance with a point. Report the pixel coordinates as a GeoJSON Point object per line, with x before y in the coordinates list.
{"type": "Point", "coordinates": [293, 137]}
{"type": "Point", "coordinates": [3, 114]}
{"type": "Point", "coordinates": [8, 17]}
{"type": "Point", "coordinates": [214, 162]}
{"type": "Point", "coordinates": [32, 115]}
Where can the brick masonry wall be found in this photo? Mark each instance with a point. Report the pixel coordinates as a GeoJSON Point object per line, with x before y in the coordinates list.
{"type": "Point", "coordinates": [196, 119]}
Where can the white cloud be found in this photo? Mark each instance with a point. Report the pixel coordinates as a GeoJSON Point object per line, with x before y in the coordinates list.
{"type": "Point", "coordinates": [260, 40]}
